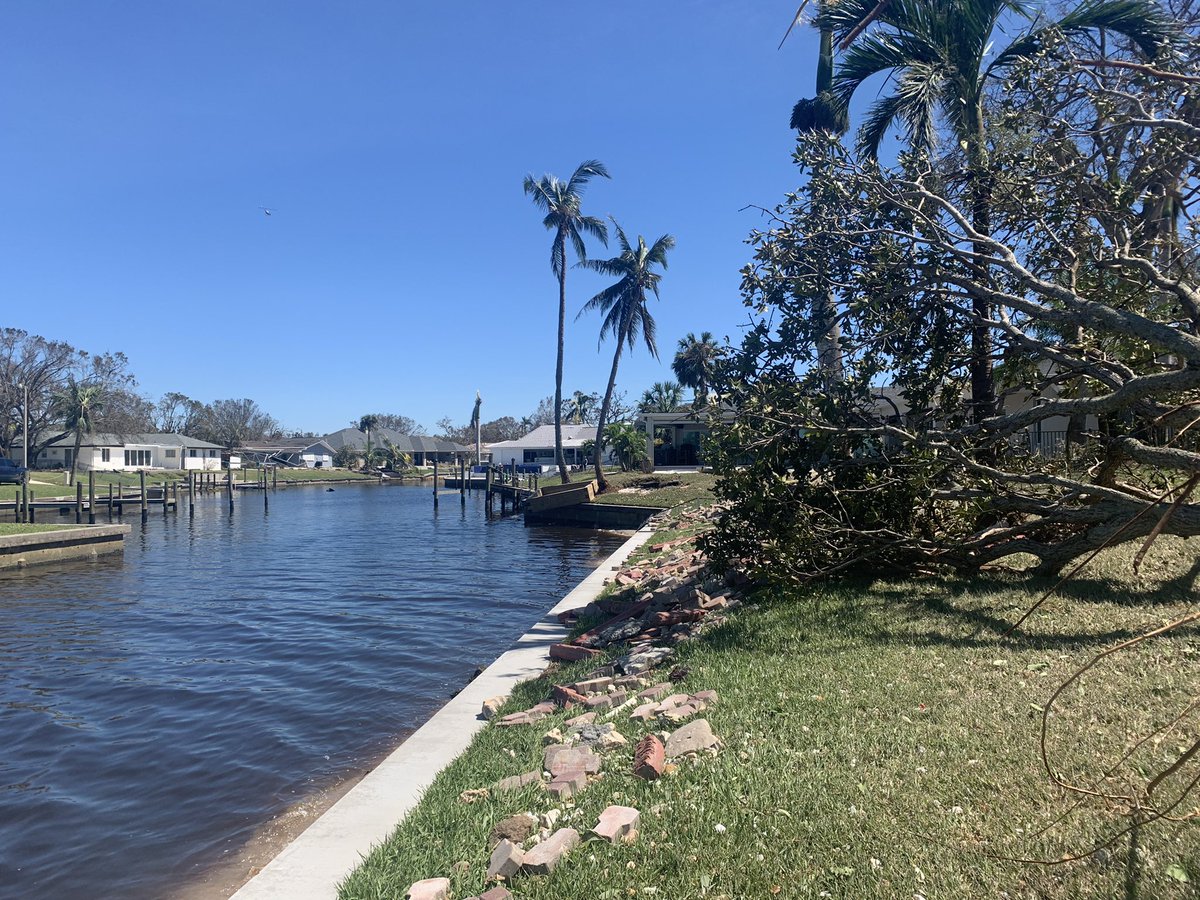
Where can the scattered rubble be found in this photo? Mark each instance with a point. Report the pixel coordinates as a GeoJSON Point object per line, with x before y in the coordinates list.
{"type": "Point", "coordinates": [515, 828]}
{"type": "Point", "coordinates": [649, 758]}
{"type": "Point", "coordinates": [694, 737]}
{"type": "Point", "coordinates": [545, 856]}
{"type": "Point", "coordinates": [618, 823]}
{"type": "Point", "coordinates": [430, 889]}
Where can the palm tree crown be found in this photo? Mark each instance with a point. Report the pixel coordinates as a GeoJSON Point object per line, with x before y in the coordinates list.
{"type": "Point", "coordinates": [938, 53]}
{"type": "Point", "coordinates": [695, 361]}
{"type": "Point", "coordinates": [626, 315]}
{"type": "Point", "coordinates": [561, 201]}
{"type": "Point", "coordinates": [662, 396]}
{"type": "Point", "coordinates": [623, 305]}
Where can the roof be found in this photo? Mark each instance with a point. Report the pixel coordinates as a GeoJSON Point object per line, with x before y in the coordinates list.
{"type": "Point", "coordinates": [299, 443]}
{"type": "Point", "coordinates": [542, 437]}
{"type": "Point", "coordinates": [407, 443]}
{"type": "Point", "coordinates": [145, 438]}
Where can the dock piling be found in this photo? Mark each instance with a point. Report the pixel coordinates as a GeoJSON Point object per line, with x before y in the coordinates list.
{"type": "Point", "coordinates": [142, 484]}
{"type": "Point", "coordinates": [91, 496]}
{"type": "Point", "coordinates": [78, 502]}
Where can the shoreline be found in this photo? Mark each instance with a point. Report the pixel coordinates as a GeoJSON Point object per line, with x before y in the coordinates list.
{"type": "Point", "coordinates": [306, 850]}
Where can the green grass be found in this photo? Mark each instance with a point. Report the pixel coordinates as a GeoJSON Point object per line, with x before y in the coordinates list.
{"type": "Point", "coordinates": [637, 489]}
{"type": "Point", "coordinates": [881, 741]}
{"type": "Point", "coordinates": [8, 528]}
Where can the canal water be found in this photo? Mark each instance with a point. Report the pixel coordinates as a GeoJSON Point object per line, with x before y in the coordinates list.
{"type": "Point", "coordinates": [157, 709]}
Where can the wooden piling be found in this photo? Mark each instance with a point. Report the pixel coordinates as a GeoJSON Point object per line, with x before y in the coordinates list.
{"type": "Point", "coordinates": [435, 482]}
{"type": "Point", "coordinates": [25, 498]}
{"type": "Point", "coordinates": [91, 496]}
{"type": "Point", "coordinates": [110, 502]}
{"type": "Point", "coordinates": [17, 505]}
{"type": "Point", "coordinates": [274, 478]}
{"type": "Point", "coordinates": [191, 493]}
{"type": "Point", "coordinates": [230, 483]}
{"type": "Point", "coordinates": [30, 516]}
{"type": "Point", "coordinates": [78, 502]}
{"type": "Point", "coordinates": [142, 484]}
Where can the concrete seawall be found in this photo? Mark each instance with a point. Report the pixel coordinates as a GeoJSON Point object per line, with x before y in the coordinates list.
{"type": "Point", "coordinates": [79, 542]}
{"type": "Point", "coordinates": [311, 866]}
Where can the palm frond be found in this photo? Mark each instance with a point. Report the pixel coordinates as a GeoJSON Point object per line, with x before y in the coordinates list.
{"type": "Point", "coordinates": [584, 173]}
{"type": "Point", "coordinates": [595, 227]}
{"type": "Point", "coordinates": [874, 129]}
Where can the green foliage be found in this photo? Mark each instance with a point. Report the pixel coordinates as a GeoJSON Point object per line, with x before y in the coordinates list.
{"type": "Point", "coordinates": [627, 443]}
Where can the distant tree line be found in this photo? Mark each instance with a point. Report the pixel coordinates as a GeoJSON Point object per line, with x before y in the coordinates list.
{"type": "Point", "coordinates": [73, 390]}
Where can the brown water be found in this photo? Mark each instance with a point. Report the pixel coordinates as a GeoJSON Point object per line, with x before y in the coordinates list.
{"type": "Point", "coordinates": [157, 710]}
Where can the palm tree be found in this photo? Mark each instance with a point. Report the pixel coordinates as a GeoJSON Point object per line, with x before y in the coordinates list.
{"type": "Point", "coordinates": [561, 202]}
{"type": "Point", "coordinates": [580, 406]}
{"type": "Point", "coordinates": [627, 443]}
{"type": "Point", "coordinates": [623, 304]}
{"type": "Point", "coordinates": [77, 404]}
{"type": "Point", "coordinates": [938, 56]}
{"type": "Point", "coordinates": [695, 362]}
{"type": "Point", "coordinates": [663, 396]}
{"type": "Point", "coordinates": [365, 424]}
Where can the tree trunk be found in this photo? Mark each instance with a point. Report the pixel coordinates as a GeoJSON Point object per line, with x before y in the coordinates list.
{"type": "Point", "coordinates": [75, 456]}
{"type": "Point", "coordinates": [598, 452]}
{"type": "Point", "coordinates": [559, 456]}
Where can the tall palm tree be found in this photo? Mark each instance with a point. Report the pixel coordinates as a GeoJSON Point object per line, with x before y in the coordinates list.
{"type": "Point", "coordinates": [561, 201]}
{"type": "Point", "coordinates": [662, 396]}
{"type": "Point", "coordinates": [938, 56]}
{"type": "Point", "coordinates": [78, 404]}
{"type": "Point", "coordinates": [623, 305]}
{"type": "Point", "coordinates": [695, 362]}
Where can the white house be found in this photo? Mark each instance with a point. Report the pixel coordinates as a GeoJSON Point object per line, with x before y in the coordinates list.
{"type": "Point", "coordinates": [124, 452]}
{"type": "Point", "coordinates": [537, 447]}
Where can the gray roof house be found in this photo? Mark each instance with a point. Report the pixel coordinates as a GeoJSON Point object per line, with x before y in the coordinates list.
{"type": "Point", "coordinates": [422, 448]}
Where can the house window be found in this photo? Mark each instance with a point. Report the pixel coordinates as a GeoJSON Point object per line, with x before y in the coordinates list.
{"type": "Point", "coordinates": [193, 453]}
{"type": "Point", "coordinates": [212, 453]}
{"type": "Point", "coordinates": [170, 454]}
{"type": "Point", "coordinates": [105, 455]}
{"type": "Point", "coordinates": [137, 459]}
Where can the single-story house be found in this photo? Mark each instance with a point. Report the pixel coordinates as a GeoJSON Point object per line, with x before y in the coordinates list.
{"type": "Point", "coordinates": [421, 448]}
{"type": "Point", "coordinates": [126, 452]}
{"type": "Point", "coordinates": [537, 447]}
{"type": "Point", "coordinates": [296, 453]}
{"type": "Point", "coordinates": [676, 439]}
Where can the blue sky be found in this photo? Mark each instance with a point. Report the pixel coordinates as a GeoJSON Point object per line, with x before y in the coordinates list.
{"type": "Point", "coordinates": [403, 268]}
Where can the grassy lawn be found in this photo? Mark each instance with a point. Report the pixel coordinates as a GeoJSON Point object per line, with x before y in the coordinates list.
{"type": "Point", "coordinates": [7, 528]}
{"type": "Point", "coordinates": [880, 741]}
{"type": "Point", "coordinates": [638, 489]}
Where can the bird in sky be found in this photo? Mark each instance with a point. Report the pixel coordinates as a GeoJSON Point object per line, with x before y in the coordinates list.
{"type": "Point", "coordinates": [266, 210]}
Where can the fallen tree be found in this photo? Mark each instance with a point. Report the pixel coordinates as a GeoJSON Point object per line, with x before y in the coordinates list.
{"type": "Point", "coordinates": [1089, 274]}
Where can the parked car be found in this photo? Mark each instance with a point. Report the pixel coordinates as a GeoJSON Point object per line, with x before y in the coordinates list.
{"type": "Point", "coordinates": [10, 472]}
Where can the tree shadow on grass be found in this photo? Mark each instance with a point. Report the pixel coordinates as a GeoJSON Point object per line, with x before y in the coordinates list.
{"type": "Point", "coordinates": [963, 613]}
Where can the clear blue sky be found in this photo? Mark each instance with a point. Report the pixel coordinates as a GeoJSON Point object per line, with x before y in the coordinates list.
{"type": "Point", "coordinates": [403, 268]}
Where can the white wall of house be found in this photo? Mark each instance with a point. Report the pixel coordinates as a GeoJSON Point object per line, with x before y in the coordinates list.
{"type": "Point", "coordinates": [201, 459]}
{"type": "Point", "coordinates": [316, 459]}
